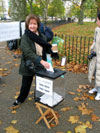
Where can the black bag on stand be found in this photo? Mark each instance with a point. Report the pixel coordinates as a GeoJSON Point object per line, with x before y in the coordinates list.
{"type": "Point", "coordinates": [33, 66]}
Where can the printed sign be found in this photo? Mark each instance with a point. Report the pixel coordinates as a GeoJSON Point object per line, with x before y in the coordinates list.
{"type": "Point", "coordinates": [9, 31]}
{"type": "Point", "coordinates": [44, 85]}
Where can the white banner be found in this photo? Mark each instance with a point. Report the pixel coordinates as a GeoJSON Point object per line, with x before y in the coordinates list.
{"type": "Point", "coordinates": [44, 85]}
{"type": "Point", "coordinates": [9, 31]}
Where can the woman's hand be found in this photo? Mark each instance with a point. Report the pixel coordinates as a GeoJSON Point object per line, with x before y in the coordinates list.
{"type": "Point", "coordinates": [45, 64]}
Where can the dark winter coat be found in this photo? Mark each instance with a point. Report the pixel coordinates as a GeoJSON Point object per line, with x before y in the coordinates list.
{"type": "Point", "coordinates": [28, 53]}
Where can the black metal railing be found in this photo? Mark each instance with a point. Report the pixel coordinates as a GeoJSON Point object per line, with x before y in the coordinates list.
{"type": "Point", "coordinates": [75, 48]}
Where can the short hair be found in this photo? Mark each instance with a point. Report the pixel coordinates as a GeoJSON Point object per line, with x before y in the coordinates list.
{"type": "Point", "coordinates": [98, 16]}
{"type": "Point", "coordinates": [29, 17]}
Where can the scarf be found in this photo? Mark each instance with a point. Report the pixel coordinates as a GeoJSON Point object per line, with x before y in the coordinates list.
{"type": "Point", "coordinates": [37, 39]}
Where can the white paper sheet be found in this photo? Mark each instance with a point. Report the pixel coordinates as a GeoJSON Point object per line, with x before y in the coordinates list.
{"type": "Point", "coordinates": [51, 100]}
{"type": "Point", "coordinates": [51, 68]}
{"type": "Point", "coordinates": [49, 60]}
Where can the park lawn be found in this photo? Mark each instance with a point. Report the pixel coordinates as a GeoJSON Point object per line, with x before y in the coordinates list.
{"type": "Point", "coordinates": [74, 29]}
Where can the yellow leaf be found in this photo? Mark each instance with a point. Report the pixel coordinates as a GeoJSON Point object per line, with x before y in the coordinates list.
{"type": "Point", "coordinates": [15, 59]}
{"type": "Point", "coordinates": [15, 107]}
{"type": "Point", "coordinates": [84, 86]}
{"type": "Point", "coordinates": [65, 109]}
{"type": "Point", "coordinates": [13, 121]}
{"type": "Point", "coordinates": [33, 85]}
{"type": "Point", "coordinates": [11, 129]}
{"type": "Point", "coordinates": [1, 69]}
{"type": "Point", "coordinates": [5, 69]}
{"type": "Point", "coordinates": [18, 92]}
{"type": "Point", "coordinates": [84, 110]}
{"type": "Point", "coordinates": [80, 129]}
{"type": "Point", "coordinates": [30, 99]}
{"type": "Point", "coordinates": [88, 124]}
{"type": "Point", "coordinates": [91, 97]}
{"type": "Point", "coordinates": [31, 92]}
{"type": "Point", "coordinates": [79, 90]}
{"type": "Point", "coordinates": [15, 97]}
{"type": "Point", "coordinates": [94, 117]}
{"type": "Point", "coordinates": [52, 125]}
{"type": "Point", "coordinates": [16, 65]}
{"type": "Point", "coordinates": [81, 86]}
{"type": "Point", "coordinates": [73, 119]}
{"type": "Point", "coordinates": [71, 93]}
{"type": "Point", "coordinates": [76, 98]}
{"type": "Point", "coordinates": [9, 62]}
{"type": "Point", "coordinates": [76, 68]}
{"type": "Point", "coordinates": [13, 112]}
{"type": "Point", "coordinates": [69, 132]}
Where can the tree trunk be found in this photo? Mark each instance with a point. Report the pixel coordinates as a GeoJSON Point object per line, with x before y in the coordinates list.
{"type": "Point", "coordinates": [31, 7]}
{"type": "Point", "coordinates": [81, 16]}
{"type": "Point", "coordinates": [44, 4]}
{"type": "Point", "coordinates": [98, 7]}
{"type": "Point", "coordinates": [18, 10]}
{"type": "Point", "coordinates": [46, 13]}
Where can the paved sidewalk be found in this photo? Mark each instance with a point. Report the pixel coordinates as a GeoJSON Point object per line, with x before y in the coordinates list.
{"type": "Point", "coordinates": [27, 114]}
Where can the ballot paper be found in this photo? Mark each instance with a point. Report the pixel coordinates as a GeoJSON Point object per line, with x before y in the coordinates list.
{"type": "Point", "coordinates": [49, 60]}
{"type": "Point", "coordinates": [51, 68]}
{"type": "Point", "coordinates": [51, 100]}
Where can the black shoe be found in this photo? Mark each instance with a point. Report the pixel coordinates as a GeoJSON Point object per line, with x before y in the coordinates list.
{"type": "Point", "coordinates": [16, 105]}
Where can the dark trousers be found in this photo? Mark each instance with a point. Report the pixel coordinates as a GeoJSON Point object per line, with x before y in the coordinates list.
{"type": "Point", "coordinates": [25, 88]}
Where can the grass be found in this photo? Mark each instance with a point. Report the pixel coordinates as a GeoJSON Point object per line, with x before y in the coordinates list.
{"type": "Point", "coordinates": [87, 29]}
{"type": "Point", "coordinates": [77, 49]}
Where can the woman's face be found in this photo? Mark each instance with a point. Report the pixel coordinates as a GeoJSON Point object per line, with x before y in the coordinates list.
{"type": "Point", "coordinates": [98, 22]}
{"type": "Point", "coordinates": [33, 26]}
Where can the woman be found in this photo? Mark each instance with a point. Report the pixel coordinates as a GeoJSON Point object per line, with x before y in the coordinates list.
{"type": "Point", "coordinates": [94, 66]}
{"type": "Point", "coordinates": [34, 48]}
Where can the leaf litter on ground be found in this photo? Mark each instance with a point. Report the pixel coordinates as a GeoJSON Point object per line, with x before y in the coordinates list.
{"type": "Point", "coordinates": [11, 129]}
{"type": "Point", "coordinates": [84, 109]}
{"type": "Point", "coordinates": [66, 109]}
